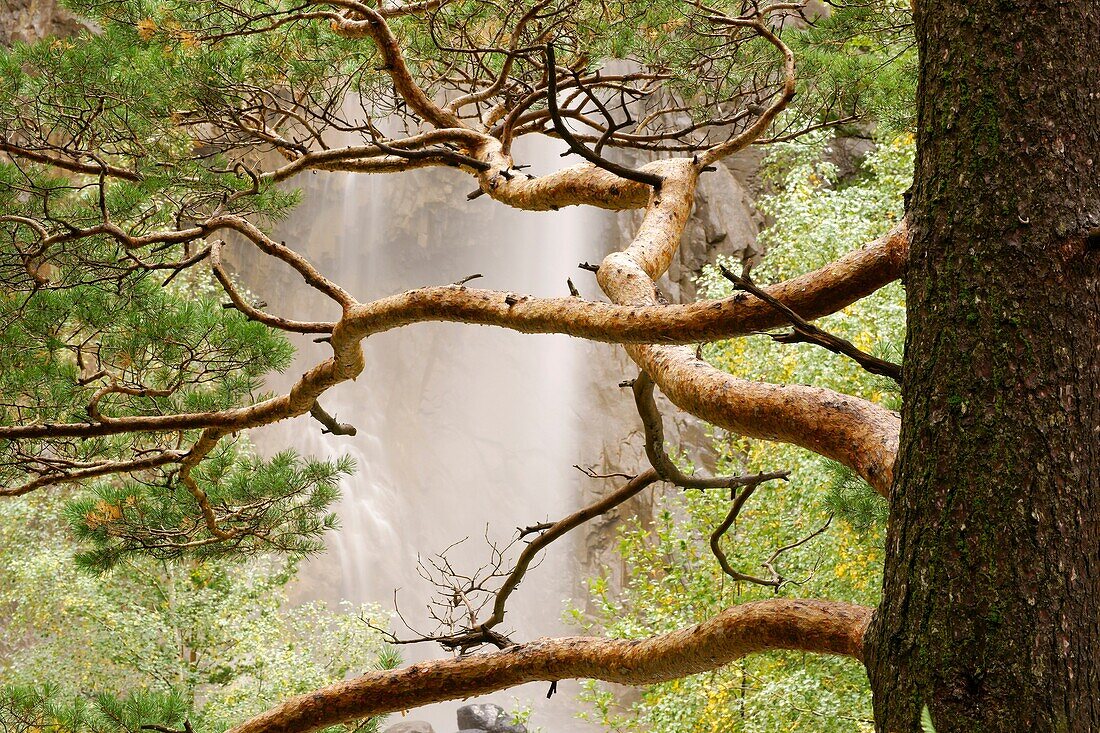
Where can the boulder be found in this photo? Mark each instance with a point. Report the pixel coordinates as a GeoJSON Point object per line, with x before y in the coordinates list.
{"type": "Point", "coordinates": [488, 718]}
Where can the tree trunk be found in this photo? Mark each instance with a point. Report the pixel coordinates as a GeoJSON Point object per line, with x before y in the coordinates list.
{"type": "Point", "coordinates": [991, 610]}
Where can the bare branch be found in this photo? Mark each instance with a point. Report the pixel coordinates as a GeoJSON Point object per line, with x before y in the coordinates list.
{"type": "Point", "coordinates": [330, 422]}
{"type": "Point", "coordinates": [666, 469]}
{"type": "Point", "coordinates": [57, 161]}
{"type": "Point", "coordinates": [630, 489]}
{"type": "Point", "coordinates": [754, 131]}
{"type": "Point", "coordinates": [775, 579]}
{"type": "Point", "coordinates": [239, 302]}
{"type": "Point", "coordinates": [622, 171]}
{"type": "Point", "coordinates": [809, 333]}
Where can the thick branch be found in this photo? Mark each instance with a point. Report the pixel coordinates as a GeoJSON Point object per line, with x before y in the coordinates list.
{"type": "Point", "coordinates": [582, 184]}
{"type": "Point", "coordinates": [852, 431]}
{"type": "Point", "coordinates": [821, 627]}
{"type": "Point", "coordinates": [814, 294]}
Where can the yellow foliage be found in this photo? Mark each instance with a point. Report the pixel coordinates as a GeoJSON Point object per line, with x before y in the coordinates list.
{"type": "Point", "coordinates": [147, 28]}
{"type": "Point", "coordinates": [103, 513]}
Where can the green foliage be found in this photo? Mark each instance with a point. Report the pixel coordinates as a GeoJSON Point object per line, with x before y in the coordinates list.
{"type": "Point", "coordinates": [34, 708]}
{"type": "Point", "coordinates": [206, 641]}
{"type": "Point", "coordinates": [861, 59]}
{"type": "Point", "coordinates": [175, 97]}
{"type": "Point", "coordinates": [176, 339]}
{"type": "Point", "coordinates": [194, 356]}
{"type": "Point", "coordinates": [674, 581]}
{"type": "Point", "coordinates": [174, 349]}
{"type": "Point", "coordinates": [283, 502]}
{"type": "Point", "coordinates": [850, 498]}
{"type": "Point", "coordinates": [158, 94]}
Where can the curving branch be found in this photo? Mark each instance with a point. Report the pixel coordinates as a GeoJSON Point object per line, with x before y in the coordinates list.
{"type": "Point", "coordinates": [240, 303]}
{"type": "Point", "coordinates": [775, 580]}
{"type": "Point", "coordinates": [818, 627]}
{"type": "Point", "coordinates": [753, 132]}
{"type": "Point", "coordinates": [280, 251]}
{"type": "Point", "coordinates": [375, 27]}
{"type": "Point", "coordinates": [105, 468]}
{"type": "Point", "coordinates": [655, 448]}
{"type": "Point", "coordinates": [576, 146]}
{"type": "Point", "coordinates": [207, 441]}
{"type": "Point", "coordinates": [815, 294]}
{"type": "Point", "coordinates": [849, 430]}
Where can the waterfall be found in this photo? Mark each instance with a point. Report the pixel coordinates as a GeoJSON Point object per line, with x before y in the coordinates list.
{"type": "Point", "coordinates": [463, 431]}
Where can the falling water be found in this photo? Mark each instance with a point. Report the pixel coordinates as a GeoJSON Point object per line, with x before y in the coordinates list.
{"type": "Point", "coordinates": [463, 431]}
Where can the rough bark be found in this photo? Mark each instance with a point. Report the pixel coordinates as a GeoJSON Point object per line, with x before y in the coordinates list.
{"type": "Point", "coordinates": [824, 627]}
{"type": "Point", "coordinates": [814, 294]}
{"type": "Point", "coordinates": [991, 611]}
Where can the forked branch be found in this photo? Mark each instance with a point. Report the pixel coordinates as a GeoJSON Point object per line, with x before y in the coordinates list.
{"type": "Point", "coordinates": [484, 632]}
{"type": "Point", "coordinates": [666, 468]}
{"type": "Point", "coordinates": [775, 579]}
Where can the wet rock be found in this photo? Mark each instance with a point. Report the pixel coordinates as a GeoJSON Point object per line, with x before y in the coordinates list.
{"type": "Point", "coordinates": [487, 718]}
